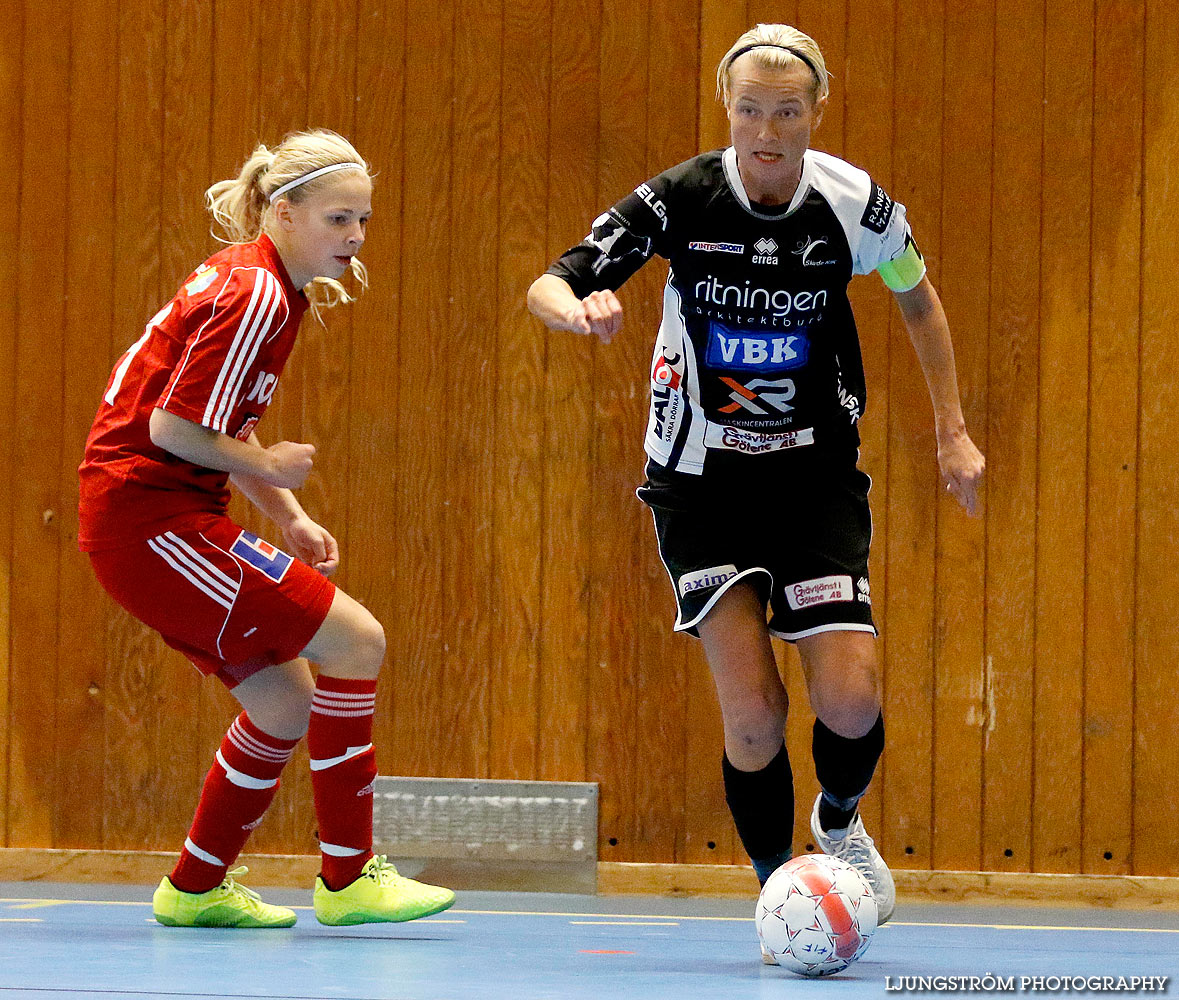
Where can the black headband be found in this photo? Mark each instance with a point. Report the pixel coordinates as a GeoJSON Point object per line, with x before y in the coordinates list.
{"type": "Point", "coordinates": [774, 45]}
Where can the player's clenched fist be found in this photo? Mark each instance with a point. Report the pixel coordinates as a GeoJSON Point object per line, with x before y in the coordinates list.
{"type": "Point", "coordinates": [599, 313]}
{"type": "Point", "coordinates": [290, 464]}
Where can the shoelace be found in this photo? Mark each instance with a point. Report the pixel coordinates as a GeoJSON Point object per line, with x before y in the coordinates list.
{"type": "Point", "coordinates": [236, 887]}
{"type": "Point", "coordinates": [382, 870]}
{"type": "Point", "coordinates": [856, 848]}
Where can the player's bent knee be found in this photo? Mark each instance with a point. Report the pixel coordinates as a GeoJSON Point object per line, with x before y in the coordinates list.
{"type": "Point", "coordinates": [370, 643]}
{"type": "Point", "coordinates": [363, 651]}
{"type": "Point", "coordinates": [298, 706]}
{"type": "Point", "coordinates": [850, 715]}
{"type": "Point", "coordinates": [279, 704]}
{"type": "Point", "coordinates": [350, 643]}
{"type": "Point", "coordinates": [756, 724]}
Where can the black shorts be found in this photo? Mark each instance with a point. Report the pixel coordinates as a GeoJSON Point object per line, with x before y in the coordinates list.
{"type": "Point", "coordinates": [802, 541]}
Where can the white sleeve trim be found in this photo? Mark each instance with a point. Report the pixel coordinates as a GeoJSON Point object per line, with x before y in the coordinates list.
{"type": "Point", "coordinates": [847, 189]}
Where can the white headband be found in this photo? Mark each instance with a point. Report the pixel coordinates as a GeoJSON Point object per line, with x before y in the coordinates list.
{"type": "Point", "coordinates": [279, 192]}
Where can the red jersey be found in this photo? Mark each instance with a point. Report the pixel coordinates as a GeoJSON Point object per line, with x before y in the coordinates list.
{"type": "Point", "coordinates": [212, 355]}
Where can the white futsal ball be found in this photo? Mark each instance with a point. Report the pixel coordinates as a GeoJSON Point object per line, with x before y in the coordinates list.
{"type": "Point", "coordinates": [816, 915]}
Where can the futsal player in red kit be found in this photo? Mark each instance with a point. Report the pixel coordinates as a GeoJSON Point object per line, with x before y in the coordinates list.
{"type": "Point", "coordinates": [175, 426]}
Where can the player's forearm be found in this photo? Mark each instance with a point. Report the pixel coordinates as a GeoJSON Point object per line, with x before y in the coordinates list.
{"type": "Point", "coordinates": [929, 333]}
{"type": "Point", "coordinates": [551, 300]}
{"type": "Point", "coordinates": [208, 448]}
{"type": "Point", "coordinates": [277, 503]}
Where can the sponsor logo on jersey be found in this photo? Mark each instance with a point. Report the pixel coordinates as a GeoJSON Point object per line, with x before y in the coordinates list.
{"type": "Point", "coordinates": [878, 212]}
{"type": "Point", "coordinates": [263, 389]}
{"type": "Point", "coordinates": [717, 247]}
{"type": "Point", "coordinates": [849, 402]}
{"type": "Point", "coordinates": [664, 372]}
{"type": "Point", "coordinates": [755, 350]}
{"type": "Point", "coordinates": [806, 248]}
{"type": "Point", "coordinates": [201, 280]}
{"type": "Point", "coordinates": [648, 197]}
{"type": "Point", "coordinates": [265, 558]}
{"type": "Point", "coordinates": [766, 249]}
{"type": "Point", "coordinates": [760, 396]}
{"type": "Point", "coordinates": [821, 590]}
{"type": "Point", "coordinates": [665, 393]}
{"type": "Point", "coordinates": [247, 428]}
{"type": "Point", "coordinates": [611, 236]}
{"type": "Point", "coordinates": [706, 579]}
{"type": "Point", "coordinates": [755, 442]}
{"type": "Point", "coordinates": [779, 301]}
{"type": "Point", "coordinates": [862, 593]}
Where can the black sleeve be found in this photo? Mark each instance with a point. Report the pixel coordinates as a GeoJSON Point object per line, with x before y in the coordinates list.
{"type": "Point", "coordinates": [621, 240]}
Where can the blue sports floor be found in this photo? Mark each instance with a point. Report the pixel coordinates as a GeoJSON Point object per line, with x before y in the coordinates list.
{"type": "Point", "coordinates": [73, 941]}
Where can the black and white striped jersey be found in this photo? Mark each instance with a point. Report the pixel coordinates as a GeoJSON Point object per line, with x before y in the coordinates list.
{"type": "Point", "coordinates": [757, 351]}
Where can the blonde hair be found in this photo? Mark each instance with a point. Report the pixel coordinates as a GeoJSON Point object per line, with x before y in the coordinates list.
{"type": "Point", "coordinates": [777, 46]}
{"type": "Point", "coordinates": [241, 205]}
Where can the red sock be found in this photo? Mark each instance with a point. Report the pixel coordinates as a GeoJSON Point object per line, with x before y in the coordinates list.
{"type": "Point", "coordinates": [237, 790]}
{"type": "Point", "coordinates": [343, 766]}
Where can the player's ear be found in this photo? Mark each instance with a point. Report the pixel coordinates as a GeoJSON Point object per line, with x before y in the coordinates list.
{"type": "Point", "coordinates": [284, 215]}
{"type": "Point", "coordinates": [820, 107]}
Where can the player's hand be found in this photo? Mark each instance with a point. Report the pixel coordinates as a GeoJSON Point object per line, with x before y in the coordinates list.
{"type": "Point", "coordinates": [598, 313]}
{"type": "Point", "coordinates": [312, 543]}
{"type": "Point", "coordinates": [290, 464]}
{"type": "Point", "coordinates": [962, 466]}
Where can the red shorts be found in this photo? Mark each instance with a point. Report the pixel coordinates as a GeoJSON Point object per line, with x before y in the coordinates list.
{"type": "Point", "coordinates": [229, 601]}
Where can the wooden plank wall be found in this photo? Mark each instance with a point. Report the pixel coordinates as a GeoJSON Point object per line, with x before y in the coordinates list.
{"type": "Point", "coordinates": [480, 471]}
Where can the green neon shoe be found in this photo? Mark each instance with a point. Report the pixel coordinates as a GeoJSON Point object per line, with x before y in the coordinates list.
{"type": "Point", "coordinates": [379, 895]}
{"type": "Point", "coordinates": [229, 905]}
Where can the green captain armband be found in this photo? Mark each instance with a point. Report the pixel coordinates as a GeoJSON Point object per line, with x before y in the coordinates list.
{"type": "Point", "coordinates": [905, 271]}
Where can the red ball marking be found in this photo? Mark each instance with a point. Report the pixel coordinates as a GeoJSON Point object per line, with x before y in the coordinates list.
{"type": "Point", "coordinates": [816, 878]}
{"type": "Point", "coordinates": [836, 912]}
{"type": "Point", "coordinates": [846, 945]}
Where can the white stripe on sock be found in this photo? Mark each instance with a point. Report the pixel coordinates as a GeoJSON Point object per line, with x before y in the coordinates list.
{"type": "Point", "coordinates": [326, 762]}
{"type": "Point", "coordinates": [253, 747]}
{"type": "Point", "coordinates": [336, 851]}
{"type": "Point", "coordinates": [243, 780]}
{"type": "Point", "coordinates": [361, 713]}
{"type": "Point", "coordinates": [369, 703]}
{"type": "Point", "coordinates": [200, 855]}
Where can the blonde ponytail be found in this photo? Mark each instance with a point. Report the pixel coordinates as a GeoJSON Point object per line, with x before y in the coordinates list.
{"type": "Point", "coordinates": [237, 204]}
{"type": "Point", "coordinates": [241, 207]}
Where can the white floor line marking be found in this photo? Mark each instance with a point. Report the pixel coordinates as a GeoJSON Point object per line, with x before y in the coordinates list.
{"type": "Point", "coordinates": [1040, 927]}
{"type": "Point", "coordinates": [627, 923]}
{"type": "Point", "coordinates": [628, 918]}
{"type": "Point", "coordinates": [29, 903]}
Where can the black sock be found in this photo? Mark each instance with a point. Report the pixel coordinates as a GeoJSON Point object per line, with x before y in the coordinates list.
{"type": "Point", "coordinates": [762, 804]}
{"type": "Point", "coordinates": [844, 768]}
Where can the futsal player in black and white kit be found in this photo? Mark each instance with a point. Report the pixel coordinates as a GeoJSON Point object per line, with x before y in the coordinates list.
{"type": "Point", "coordinates": [757, 386]}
